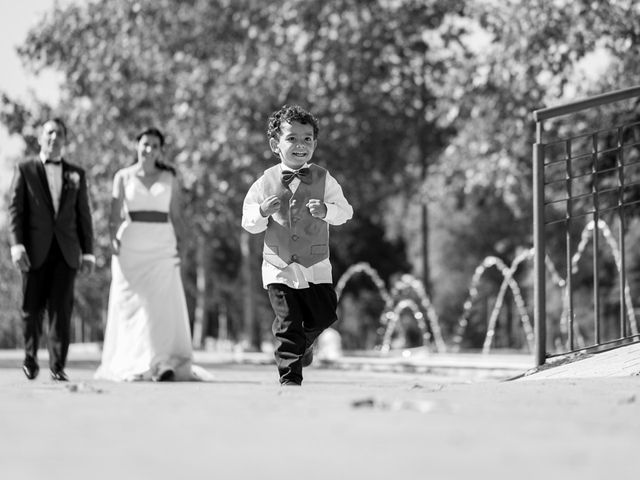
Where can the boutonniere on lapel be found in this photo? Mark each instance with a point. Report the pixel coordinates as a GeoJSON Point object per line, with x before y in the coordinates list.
{"type": "Point", "coordinates": [72, 179]}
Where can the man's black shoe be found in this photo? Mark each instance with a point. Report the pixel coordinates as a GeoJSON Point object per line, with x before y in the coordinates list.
{"type": "Point", "coordinates": [30, 370]}
{"type": "Point", "coordinates": [59, 376]}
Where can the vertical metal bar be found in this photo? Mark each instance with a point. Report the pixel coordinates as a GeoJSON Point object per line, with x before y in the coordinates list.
{"type": "Point", "coordinates": [568, 276]}
{"type": "Point", "coordinates": [539, 307]}
{"type": "Point", "coordinates": [621, 234]}
{"type": "Point", "coordinates": [596, 237]}
{"type": "Point", "coordinates": [627, 319]}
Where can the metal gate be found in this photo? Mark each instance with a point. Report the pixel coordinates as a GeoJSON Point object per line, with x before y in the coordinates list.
{"type": "Point", "coordinates": [586, 195]}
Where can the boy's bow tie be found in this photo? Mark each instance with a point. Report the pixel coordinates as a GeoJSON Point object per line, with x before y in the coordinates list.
{"type": "Point", "coordinates": [304, 174]}
{"type": "Point", "coordinates": [50, 161]}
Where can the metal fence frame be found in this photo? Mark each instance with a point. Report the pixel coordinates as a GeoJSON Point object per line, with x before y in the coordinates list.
{"type": "Point", "coordinates": [540, 221]}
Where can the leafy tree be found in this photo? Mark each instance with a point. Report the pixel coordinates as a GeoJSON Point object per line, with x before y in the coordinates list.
{"type": "Point", "coordinates": [424, 109]}
{"type": "Point", "coordinates": [209, 73]}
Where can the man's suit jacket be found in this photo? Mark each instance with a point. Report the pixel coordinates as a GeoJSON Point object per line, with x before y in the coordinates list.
{"type": "Point", "coordinates": [33, 222]}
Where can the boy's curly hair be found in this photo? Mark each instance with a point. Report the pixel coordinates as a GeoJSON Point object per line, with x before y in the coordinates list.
{"type": "Point", "coordinates": [290, 113]}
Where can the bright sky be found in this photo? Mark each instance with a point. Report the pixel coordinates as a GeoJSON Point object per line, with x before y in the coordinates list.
{"type": "Point", "coordinates": [14, 25]}
{"type": "Point", "coordinates": [15, 81]}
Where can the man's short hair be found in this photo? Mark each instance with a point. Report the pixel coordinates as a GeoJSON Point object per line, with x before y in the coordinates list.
{"type": "Point", "coordinates": [58, 121]}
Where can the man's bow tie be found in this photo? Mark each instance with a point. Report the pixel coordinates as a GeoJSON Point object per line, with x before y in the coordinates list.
{"type": "Point", "coordinates": [50, 161]}
{"type": "Point", "coordinates": [304, 174]}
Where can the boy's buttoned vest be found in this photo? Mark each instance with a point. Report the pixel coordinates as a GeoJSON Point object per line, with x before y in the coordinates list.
{"type": "Point", "coordinates": [293, 234]}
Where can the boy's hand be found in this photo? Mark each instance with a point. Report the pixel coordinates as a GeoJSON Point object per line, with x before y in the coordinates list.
{"type": "Point", "coordinates": [270, 206]}
{"type": "Point", "coordinates": [317, 208]}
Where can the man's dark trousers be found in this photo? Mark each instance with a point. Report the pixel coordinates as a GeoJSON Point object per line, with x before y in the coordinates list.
{"type": "Point", "coordinates": [49, 289]}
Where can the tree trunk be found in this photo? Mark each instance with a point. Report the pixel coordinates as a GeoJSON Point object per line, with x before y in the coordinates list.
{"type": "Point", "coordinates": [248, 308]}
{"type": "Point", "coordinates": [200, 317]}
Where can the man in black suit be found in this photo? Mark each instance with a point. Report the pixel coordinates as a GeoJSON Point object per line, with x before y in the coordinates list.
{"type": "Point", "coordinates": [51, 238]}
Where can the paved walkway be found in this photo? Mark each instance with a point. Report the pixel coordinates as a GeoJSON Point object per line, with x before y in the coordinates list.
{"type": "Point", "coordinates": [464, 366]}
{"type": "Point", "coordinates": [351, 422]}
{"type": "Point", "coordinates": [619, 362]}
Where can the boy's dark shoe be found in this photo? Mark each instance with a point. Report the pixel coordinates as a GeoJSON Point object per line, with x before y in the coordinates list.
{"type": "Point", "coordinates": [290, 383]}
{"type": "Point", "coordinates": [307, 357]}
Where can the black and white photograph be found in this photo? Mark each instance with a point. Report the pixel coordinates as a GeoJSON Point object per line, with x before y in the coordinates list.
{"type": "Point", "coordinates": [310, 240]}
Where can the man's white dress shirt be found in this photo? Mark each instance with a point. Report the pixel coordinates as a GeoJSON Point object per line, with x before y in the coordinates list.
{"type": "Point", "coordinates": [54, 180]}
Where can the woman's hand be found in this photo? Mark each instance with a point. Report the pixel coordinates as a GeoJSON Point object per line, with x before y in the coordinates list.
{"type": "Point", "coordinates": [115, 246]}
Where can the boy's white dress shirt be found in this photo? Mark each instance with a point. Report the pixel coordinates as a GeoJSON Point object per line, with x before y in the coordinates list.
{"type": "Point", "coordinates": [295, 275]}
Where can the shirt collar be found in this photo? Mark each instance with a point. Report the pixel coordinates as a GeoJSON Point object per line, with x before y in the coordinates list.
{"type": "Point", "coordinates": [44, 159]}
{"type": "Point", "coordinates": [284, 168]}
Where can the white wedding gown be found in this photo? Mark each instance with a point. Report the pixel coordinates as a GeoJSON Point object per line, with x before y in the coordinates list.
{"type": "Point", "coordinates": [147, 331]}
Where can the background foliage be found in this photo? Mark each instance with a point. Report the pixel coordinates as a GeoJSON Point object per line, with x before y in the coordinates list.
{"type": "Point", "coordinates": [422, 103]}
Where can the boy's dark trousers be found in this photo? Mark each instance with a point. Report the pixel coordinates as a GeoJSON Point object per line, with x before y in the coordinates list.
{"type": "Point", "coordinates": [301, 316]}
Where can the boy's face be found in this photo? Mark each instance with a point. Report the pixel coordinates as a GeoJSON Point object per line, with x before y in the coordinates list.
{"type": "Point", "coordinates": [295, 145]}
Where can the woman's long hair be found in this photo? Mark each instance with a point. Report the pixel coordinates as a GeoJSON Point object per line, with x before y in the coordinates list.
{"type": "Point", "coordinates": [157, 133]}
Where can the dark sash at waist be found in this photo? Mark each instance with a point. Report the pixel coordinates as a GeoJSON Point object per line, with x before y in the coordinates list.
{"type": "Point", "coordinates": [149, 216]}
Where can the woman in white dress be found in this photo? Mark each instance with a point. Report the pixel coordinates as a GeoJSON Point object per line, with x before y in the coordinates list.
{"type": "Point", "coordinates": [147, 335]}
